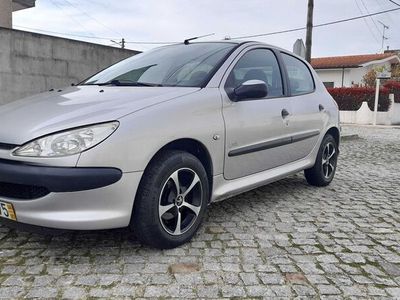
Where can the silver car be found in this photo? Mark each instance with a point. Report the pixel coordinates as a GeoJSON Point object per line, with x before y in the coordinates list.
{"type": "Point", "coordinates": [151, 141]}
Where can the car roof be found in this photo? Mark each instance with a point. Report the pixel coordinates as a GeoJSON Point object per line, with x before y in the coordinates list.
{"type": "Point", "coordinates": [241, 42]}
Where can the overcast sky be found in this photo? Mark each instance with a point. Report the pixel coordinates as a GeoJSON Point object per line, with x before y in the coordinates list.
{"type": "Point", "coordinates": [174, 20]}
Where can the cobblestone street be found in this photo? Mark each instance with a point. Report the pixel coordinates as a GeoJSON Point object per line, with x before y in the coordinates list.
{"type": "Point", "coordinates": [284, 240]}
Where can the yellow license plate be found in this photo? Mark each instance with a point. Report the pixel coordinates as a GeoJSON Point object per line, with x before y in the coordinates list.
{"type": "Point", "coordinates": [7, 211]}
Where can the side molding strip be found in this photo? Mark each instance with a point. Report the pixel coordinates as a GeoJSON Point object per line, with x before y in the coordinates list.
{"type": "Point", "coordinates": [260, 147]}
{"type": "Point", "coordinates": [274, 143]}
{"type": "Point", "coordinates": [304, 136]}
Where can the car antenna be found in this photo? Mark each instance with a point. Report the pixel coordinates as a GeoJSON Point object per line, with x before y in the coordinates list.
{"type": "Point", "coordinates": [187, 41]}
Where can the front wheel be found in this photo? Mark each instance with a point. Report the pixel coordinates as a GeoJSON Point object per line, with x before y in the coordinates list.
{"type": "Point", "coordinates": [172, 200]}
{"type": "Point", "coordinates": [325, 165]}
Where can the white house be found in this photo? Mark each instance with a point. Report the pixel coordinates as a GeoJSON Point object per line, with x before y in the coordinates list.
{"type": "Point", "coordinates": [347, 71]}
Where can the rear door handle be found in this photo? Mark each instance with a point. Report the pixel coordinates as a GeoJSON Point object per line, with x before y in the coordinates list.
{"type": "Point", "coordinates": [321, 107]}
{"type": "Point", "coordinates": [285, 113]}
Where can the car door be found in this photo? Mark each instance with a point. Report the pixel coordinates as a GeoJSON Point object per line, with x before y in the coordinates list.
{"type": "Point", "coordinates": [308, 112]}
{"type": "Point", "coordinates": [257, 135]}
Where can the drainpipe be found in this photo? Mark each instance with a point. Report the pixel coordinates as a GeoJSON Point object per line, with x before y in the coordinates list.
{"type": "Point", "coordinates": [342, 77]}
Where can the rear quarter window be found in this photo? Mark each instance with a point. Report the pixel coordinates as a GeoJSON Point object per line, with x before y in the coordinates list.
{"type": "Point", "coordinates": [300, 78]}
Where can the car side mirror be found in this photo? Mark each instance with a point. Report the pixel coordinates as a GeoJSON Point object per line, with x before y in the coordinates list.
{"type": "Point", "coordinates": [251, 89]}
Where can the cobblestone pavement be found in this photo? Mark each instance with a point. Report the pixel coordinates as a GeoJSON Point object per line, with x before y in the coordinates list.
{"type": "Point", "coordinates": [284, 240]}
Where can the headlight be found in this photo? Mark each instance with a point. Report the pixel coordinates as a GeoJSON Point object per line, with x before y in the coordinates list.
{"type": "Point", "coordinates": [68, 142]}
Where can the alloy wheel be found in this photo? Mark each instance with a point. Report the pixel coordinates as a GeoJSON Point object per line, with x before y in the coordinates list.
{"type": "Point", "coordinates": [329, 160]}
{"type": "Point", "coordinates": [180, 201]}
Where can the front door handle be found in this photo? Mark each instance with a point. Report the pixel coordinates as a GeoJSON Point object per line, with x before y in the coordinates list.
{"type": "Point", "coordinates": [321, 107]}
{"type": "Point", "coordinates": [285, 113]}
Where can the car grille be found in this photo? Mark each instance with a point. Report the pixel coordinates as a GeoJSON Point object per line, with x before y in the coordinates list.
{"type": "Point", "coordinates": [7, 146]}
{"type": "Point", "coordinates": [24, 192]}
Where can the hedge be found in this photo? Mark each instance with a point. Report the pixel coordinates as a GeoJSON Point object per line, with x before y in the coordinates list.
{"type": "Point", "coordinates": [394, 88]}
{"type": "Point", "coordinates": [352, 98]}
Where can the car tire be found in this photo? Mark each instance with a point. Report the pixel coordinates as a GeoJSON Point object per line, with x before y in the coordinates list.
{"type": "Point", "coordinates": [162, 217]}
{"type": "Point", "coordinates": [324, 169]}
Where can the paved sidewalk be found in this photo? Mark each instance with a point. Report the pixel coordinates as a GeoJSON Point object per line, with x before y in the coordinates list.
{"type": "Point", "coordinates": [284, 240]}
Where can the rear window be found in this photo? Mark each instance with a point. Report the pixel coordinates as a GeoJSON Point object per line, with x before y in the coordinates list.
{"type": "Point", "coordinates": [300, 78]}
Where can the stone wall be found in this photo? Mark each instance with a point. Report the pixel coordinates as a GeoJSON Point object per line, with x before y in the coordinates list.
{"type": "Point", "coordinates": [31, 63]}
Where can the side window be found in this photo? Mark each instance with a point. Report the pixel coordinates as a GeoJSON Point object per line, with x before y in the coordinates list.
{"type": "Point", "coordinates": [300, 78]}
{"type": "Point", "coordinates": [260, 64]}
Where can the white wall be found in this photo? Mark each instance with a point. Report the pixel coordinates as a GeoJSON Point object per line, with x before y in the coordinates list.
{"type": "Point", "coordinates": [364, 116]}
{"type": "Point", "coordinates": [356, 75]}
{"type": "Point", "coordinates": [352, 76]}
{"type": "Point", "coordinates": [335, 76]}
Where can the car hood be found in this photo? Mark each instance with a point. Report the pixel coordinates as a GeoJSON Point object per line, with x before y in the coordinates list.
{"type": "Point", "coordinates": [29, 118]}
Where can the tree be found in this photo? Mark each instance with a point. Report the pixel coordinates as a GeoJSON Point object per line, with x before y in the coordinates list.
{"type": "Point", "coordinates": [369, 78]}
{"type": "Point", "coordinates": [396, 71]}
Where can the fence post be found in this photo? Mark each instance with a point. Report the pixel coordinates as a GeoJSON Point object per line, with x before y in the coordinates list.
{"type": "Point", "coordinates": [391, 98]}
{"type": "Point", "coordinates": [391, 111]}
{"type": "Point", "coordinates": [378, 84]}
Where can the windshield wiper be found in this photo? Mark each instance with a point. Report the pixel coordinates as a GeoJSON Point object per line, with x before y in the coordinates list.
{"type": "Point", "coordinates": [121, 83]}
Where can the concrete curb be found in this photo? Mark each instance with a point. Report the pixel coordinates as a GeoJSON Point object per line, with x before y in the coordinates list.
{"type": "Point", "coordinates": [371, 126]}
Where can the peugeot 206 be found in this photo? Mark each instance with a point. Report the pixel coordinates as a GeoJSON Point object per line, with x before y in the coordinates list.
{"type": "Point", "coordinates": [151, 141]}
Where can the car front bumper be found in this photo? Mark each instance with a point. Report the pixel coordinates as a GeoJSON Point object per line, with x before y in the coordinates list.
{"type": "Point", "coordinates": [73, 198]}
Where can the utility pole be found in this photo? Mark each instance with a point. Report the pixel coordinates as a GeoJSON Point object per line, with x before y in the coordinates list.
{"type": "Point", "coordinates": [383, 35]}
{"type": "Point", "coordinates": [310, 25]}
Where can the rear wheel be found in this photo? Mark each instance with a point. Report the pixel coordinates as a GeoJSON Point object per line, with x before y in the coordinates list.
{"type": "Point", "coordinates": [171, 201]}
{"type": "Point", "coordinates": [324, 169]}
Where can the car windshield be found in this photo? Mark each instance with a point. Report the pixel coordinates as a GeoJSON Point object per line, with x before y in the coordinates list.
{"type": "Point", "coordinates": [177, 65]}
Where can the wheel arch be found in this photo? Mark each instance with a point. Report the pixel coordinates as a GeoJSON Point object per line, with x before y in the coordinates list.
{"type": "Point", "coordinates": [334, 131]}
{"type": "Point", "coordinates": [195, 148]}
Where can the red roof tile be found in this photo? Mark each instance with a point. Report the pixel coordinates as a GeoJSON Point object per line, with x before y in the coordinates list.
{"type": "Point", "coordinates": [347, 61]}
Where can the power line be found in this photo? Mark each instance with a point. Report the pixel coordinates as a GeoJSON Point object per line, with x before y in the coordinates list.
{"type": "Point", "coordinates": [380, 4]}
{"type": "Point", "coordinates": [366, 23]}
{"type": "Point", "coordinates": [394, 2]}
{"type": "Point", "coordinates": [365, 6]}
{"type": "Point", "coordinates": [90, 17]}
{"type": "Point", "coordinates": [65, 34]}
{"type": "Point", "coordinates": [318, 25]}
{"type": "Point", "coordinates": [95, 37]}
{"type": "Point", "coordinates": [153, 43]}
{"type": "Point", "coordinates": [61, 8]}
{"type": "Point", "coordinates": [242, 37]}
